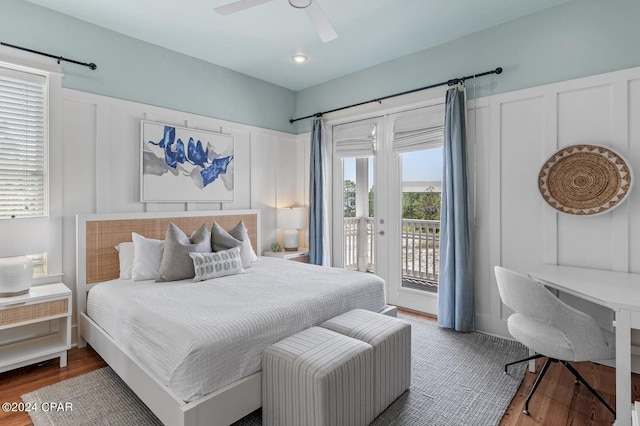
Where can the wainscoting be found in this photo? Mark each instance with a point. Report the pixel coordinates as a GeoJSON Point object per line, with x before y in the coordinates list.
{"type": "Point", "coordinates": [512, 136]}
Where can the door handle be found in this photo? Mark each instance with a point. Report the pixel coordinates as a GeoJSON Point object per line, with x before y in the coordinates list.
{"type": "Point", "coordinates": [380, 232]}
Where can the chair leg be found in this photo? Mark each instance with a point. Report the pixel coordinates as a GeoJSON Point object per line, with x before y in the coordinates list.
{"type": "Point", "coordinates": [592, 390]}
{"type": "Point", "coordinates": [536, 383]}
{"type": "Point", "coordinates": [536, 356]}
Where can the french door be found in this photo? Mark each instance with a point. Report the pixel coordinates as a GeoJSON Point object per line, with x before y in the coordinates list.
{"type": "Point", "coordinates": [358, 228]}
{"type": "Point", "coordinates": [386, 198]}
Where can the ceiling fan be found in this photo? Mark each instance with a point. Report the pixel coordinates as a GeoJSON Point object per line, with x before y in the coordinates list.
{"type": "Point", "coordinates": [316, 15]}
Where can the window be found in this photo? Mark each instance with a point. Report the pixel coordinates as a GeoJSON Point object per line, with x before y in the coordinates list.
{"type": "Point", "coordinates": [23, 148]}
{"type": "Point", "coordinates": [22, 144]}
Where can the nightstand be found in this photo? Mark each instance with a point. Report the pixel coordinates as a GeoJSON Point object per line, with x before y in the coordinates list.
{"type": "Point", "coordinates": [300, 255]}
{"type": "Point", "coordinates": [46, 308]}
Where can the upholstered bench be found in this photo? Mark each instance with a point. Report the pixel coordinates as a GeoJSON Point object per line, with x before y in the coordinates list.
{"type": "Point", "coordinates": [391, 341]}
{"type": "Point", "coordinates": [317, 378]}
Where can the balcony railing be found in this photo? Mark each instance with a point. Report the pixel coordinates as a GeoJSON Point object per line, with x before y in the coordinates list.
{"type": "Point", "coordinates": [420, 250]}
{"type": "Point", "coordinates": [359, 244]}
{"type": "Point", "coordinates": [420, 254]}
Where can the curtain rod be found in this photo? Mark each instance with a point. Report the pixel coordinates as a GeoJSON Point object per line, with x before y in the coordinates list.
{"type": "Point", "coordinates": [59, 58]}
{"type": "Point", "coordinates": [451, 82]}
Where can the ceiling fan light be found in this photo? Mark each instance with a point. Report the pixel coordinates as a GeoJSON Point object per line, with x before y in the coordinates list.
{"type": "Point", "coordinates": [300, 4]}
{"type": "Point", "coordinates": [299, 59]}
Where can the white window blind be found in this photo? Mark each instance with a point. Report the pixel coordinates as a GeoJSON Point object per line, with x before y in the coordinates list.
{"type": "Point", "coordinates": [355, 140]}
{"type": "Point", "coordinates": [419, 129]}
{"type": "Point", "coordinates": [22, 144]}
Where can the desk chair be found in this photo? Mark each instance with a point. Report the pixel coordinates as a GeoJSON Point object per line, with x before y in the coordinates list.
{"type": "Point", "coordinates": [551, 328]}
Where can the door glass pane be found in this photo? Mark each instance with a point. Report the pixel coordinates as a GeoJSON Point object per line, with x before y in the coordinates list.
{"type": "Point", "coordinates": [358, 198]}
{"type": "Point", "coordinates": [349, 214]}
{"type": "Point", "coordinates": [421, 190]}
{"type": "Point", "coordinates": [370, 217]}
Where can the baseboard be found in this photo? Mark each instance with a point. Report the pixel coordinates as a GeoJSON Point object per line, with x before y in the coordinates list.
{"type": "Point", "coordinates": [491, 326]}
{"type": "Point", "coordinates": [390, 311]}
{"type": "Point", "coordinates": [415, 312]}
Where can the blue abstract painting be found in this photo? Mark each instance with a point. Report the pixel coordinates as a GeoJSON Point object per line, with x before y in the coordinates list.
{"type": "Point", "coordinates": [181, 164]}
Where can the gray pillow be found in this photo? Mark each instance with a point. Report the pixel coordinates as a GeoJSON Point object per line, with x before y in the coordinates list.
{"type": "Point", "coordinates": [237, 237]}
{"type": "Point", "coordinates": [218, 264]}
{"type": "Point", "coordinates": [176, 263]}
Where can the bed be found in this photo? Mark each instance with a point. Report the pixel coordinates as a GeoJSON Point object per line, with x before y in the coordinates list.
{"type": "Point", "coordinates": [217, 328]}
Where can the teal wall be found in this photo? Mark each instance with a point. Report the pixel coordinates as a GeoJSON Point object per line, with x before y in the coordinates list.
{"type": "Point", "coordinates": [580, 38]}
{"type": "Point", "coordinates": [137, 71]}
{"type": "Point", "coordinates": [577, 39]}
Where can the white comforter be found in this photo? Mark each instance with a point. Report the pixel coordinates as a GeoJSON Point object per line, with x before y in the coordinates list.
{"type": "Point", "coordinates": [199, 337]}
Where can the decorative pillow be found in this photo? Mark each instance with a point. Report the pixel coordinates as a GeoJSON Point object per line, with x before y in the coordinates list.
{"type": "Point", "coordinates": [217, 264]}
{"type": "Point", "coordinates": [237, 237]}
{"type": "Point", "coordinates": [125, 255]}
{"type": "Point", "coordinates": [176, 263]}
{"type": "Point", "coordinates": [147, 255]}
{"type": "Point", "coordinates": [239, 232]}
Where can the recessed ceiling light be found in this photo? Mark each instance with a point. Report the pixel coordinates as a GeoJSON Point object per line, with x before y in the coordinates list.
{"type": "Point", "coordinates": [299, 59]}
{"type": "Point", "coordinates": [300, 4]}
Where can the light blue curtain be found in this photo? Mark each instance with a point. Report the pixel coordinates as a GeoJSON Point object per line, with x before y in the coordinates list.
{"type": "Point", "coordinates": [455, 288]}
{"type": "Point", "coordinates": [315, 196]}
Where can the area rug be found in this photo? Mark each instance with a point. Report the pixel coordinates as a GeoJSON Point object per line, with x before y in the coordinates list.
{"type": "Point", "coordinates": [456, 380]}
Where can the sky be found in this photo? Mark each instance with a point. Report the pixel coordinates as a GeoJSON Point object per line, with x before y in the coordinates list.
{"type": "Point", "coordinates": [416, 166]}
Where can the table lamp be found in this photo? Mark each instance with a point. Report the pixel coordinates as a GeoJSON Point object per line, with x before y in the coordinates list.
{"type": "Point", "coordinates": [20, 237]}
{"type": "Point", "coordinates": [291, 219]}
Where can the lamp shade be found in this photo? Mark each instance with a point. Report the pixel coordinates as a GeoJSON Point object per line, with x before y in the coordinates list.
{"type": "Point", "coordinates": [291, 218]}
{"type": "Point", "coordinates": [20, 237]}
{"type": "Point", "coordinates": [24, 236]}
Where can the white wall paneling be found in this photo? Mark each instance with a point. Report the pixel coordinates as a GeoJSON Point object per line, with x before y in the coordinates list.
{"type": "Point", "coordinates": [286, 185]}
{"type": "Point", "coordinates": [634, 155]}
{"type": "Point", "coordinates": [479, 130]}
{"type": "Point", "coordinates": [263, 184]}
{"type": "Point", "coordinates": [99, 160]}
{"type": "Point", "coordinates": [275, 180]}
{"type": "Point", "coordinates": [304, 175]}
{"type": "Point", "coordinates": [524, 129]}
{"type": "Point", "coordinates": [549, 216]}
{"type": "Point", "coordinates": [78, 176]}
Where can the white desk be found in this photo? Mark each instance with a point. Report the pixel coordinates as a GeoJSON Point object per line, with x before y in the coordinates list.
{"type": "Point", "coordinates": [619, 291]}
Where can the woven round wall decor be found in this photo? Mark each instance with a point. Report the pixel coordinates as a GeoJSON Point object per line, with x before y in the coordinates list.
{"type": "Point", "coordinates": [585, 180]}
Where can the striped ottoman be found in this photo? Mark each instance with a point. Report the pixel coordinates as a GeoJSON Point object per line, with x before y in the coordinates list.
{"type": "Point", "coordinates": [317, 378]}
{"type": "Point", "coordinates": [391, 341]}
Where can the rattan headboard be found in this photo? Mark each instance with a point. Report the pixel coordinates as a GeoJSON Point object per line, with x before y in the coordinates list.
{"type": "Point", "coordinates": [98, 234]}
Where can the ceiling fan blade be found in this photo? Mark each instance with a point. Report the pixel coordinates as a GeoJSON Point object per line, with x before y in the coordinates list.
{"type": "Point", "coordinates": [320, 21]}
{"type": "Point", "coordinates": [238, 6]}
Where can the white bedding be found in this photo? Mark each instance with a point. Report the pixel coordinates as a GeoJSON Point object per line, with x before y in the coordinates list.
{"type": "Point", "coordinates": [199, 337]}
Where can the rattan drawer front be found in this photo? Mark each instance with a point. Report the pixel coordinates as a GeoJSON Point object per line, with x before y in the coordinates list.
{"type": "Point", "coordinates": [25, 313]}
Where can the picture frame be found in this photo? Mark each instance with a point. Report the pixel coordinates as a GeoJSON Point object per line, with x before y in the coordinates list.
{"type": "Point", "coordinates": [179, 164]}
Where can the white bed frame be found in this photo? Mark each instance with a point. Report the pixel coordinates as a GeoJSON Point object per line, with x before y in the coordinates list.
{"type": "Point", "coordinates": [219, 408]}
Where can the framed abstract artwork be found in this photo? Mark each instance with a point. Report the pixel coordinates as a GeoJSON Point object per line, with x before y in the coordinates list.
{"type": "Point", "coordinates": [185, 165]}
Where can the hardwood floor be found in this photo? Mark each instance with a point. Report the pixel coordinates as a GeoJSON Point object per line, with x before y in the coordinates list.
{"type": "Point", "coordinates": [15, 383]}
{"type": "Point", "coordinates": [557, 402]}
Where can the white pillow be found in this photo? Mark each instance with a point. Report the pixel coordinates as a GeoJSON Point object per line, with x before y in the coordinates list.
{"type": "Point", "coordinates": [217, 264]}
{"type": "Point", "coordinates": [125, 255]}
{"type": "Point", "coordinates": [147, 256]}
